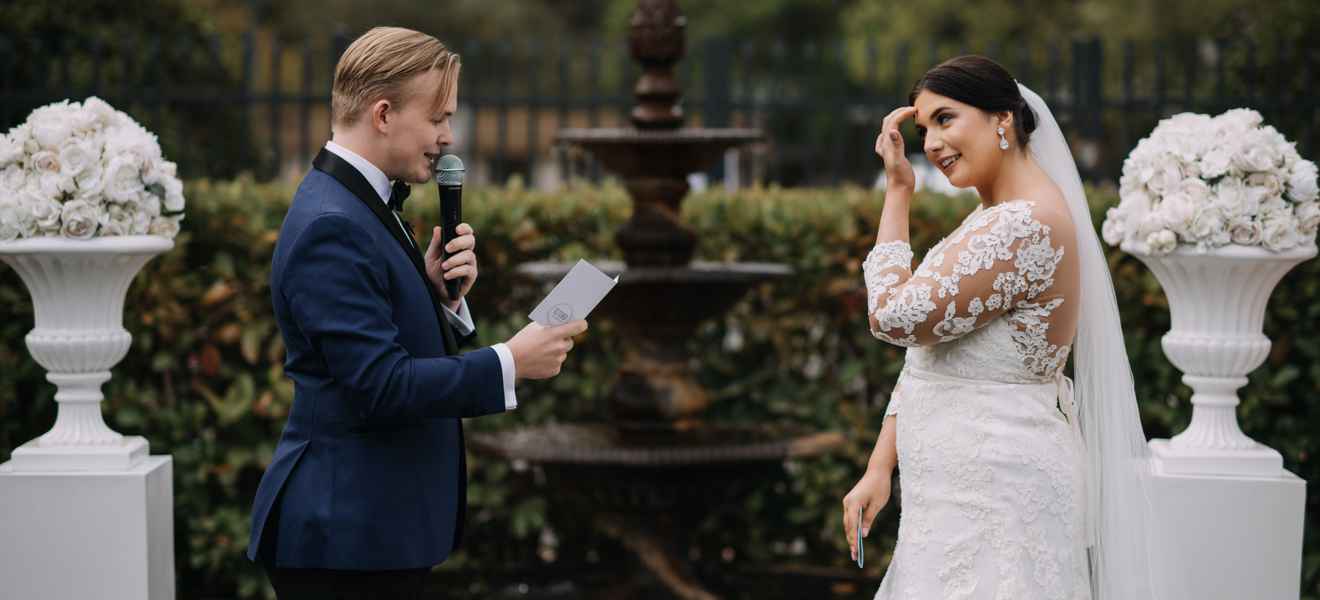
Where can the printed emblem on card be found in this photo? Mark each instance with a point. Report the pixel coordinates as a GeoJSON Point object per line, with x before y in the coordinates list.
{"type": "Point", "coordinates": [560, 314]}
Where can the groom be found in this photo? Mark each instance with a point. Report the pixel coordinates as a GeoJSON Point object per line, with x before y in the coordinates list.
{"type": "Point", "coordinates": [366, 491]}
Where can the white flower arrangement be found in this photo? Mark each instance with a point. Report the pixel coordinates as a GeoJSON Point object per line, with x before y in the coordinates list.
{"type": "Point", "coordinates": [1213, 181]}
{"type": "Point", "coordinates": [85, 170]}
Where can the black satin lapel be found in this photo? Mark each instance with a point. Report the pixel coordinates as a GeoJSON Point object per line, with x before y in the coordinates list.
{"type": "Point", "coordinates": [335, 166]}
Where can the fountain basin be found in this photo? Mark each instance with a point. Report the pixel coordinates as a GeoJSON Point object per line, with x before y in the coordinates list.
{"type": "Point", "coordinates": [657, 310]}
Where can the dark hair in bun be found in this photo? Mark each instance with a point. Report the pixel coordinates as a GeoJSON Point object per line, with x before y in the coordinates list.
{"type": "Point", "coordinates": [983, 83]}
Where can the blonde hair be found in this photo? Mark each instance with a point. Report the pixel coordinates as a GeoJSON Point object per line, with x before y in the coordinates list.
{"type": "Point", "coordinates": [380, 63]}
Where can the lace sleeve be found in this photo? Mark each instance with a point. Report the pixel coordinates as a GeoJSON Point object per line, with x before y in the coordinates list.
{"type": "Point", "coordinates": [1000, 257]}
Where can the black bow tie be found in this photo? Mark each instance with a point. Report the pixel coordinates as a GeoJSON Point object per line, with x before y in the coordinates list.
{"type": "Point", "coordinates": [398, 193]}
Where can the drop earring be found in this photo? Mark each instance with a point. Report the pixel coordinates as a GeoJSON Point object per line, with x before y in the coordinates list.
{"type": "Point", "coordinates": [1003, 141]}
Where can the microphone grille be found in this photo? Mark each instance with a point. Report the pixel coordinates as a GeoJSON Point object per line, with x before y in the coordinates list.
{"type": "Point", "coordinates": [449, 170]}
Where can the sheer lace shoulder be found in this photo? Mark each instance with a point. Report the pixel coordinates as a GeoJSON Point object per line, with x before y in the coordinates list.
{"type": "Point", "coordinates": [1004, 261]}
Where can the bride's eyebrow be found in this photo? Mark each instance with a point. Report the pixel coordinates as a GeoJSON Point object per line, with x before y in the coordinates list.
{"type": "Point", "coordinates": [917, 117]}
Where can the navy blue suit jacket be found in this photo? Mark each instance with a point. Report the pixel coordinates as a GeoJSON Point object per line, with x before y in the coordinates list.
{"type": "Point", "coordinates": [370, 471]}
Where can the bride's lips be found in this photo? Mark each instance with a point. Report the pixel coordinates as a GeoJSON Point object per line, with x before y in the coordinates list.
{"type": "Point", "coordinates": [947, 163]}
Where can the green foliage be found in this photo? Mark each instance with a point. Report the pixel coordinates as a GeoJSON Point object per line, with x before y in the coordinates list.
{"type": "Point", "coordinates": [204, 379]}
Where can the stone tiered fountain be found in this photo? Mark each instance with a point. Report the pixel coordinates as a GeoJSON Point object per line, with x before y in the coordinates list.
{"type": "Point", "coordinates": [649, 473]}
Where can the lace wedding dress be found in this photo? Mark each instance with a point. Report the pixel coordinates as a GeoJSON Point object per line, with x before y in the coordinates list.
{"type": "Point", "coordinates": [991, 459]}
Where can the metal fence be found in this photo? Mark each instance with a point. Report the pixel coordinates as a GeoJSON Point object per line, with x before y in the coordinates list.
{"type": "Point", "coordinates": [256, 103]}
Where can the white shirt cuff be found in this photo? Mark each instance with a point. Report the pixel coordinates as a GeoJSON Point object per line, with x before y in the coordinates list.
{"type": "Point", "coordinates": [507, 370]}
{"type": "Point", "coordinates": [462, 320]}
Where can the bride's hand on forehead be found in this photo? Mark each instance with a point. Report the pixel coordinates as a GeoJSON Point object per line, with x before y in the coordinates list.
{"type": "Point", "coordinates": [889, 145]}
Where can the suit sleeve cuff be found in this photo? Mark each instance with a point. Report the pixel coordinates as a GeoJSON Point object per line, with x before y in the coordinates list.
{"type": "Point", "coordinates": [462, 320]}
{"type": "Point", "coordinates": [507, 370]}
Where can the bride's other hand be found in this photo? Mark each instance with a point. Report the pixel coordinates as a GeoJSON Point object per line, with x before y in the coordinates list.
{"type": "Point", "coordinates": [889, 145]}
{"type": "Point", "coordinates": [871, 494]}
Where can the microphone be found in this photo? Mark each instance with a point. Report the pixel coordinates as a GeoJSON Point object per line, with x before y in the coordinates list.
{"type": "Point", "coordinates": [449, 178]}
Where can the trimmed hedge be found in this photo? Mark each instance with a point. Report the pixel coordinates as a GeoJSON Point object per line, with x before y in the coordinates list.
{"type": "Point", "coordinates": [204, 382]}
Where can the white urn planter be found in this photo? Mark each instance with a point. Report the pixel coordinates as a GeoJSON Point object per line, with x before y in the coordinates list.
{"type": "Point", "coordinates": [78, 289]}
{"type": "Point", "coordinates": [1217, 304]}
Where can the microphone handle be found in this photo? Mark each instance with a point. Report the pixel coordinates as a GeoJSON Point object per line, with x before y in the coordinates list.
{"type": "Point", "coordinates": [451, 214]}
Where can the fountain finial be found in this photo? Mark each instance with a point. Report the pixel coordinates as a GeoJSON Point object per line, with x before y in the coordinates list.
{"type": "Point", "coordinates": [657, 41]}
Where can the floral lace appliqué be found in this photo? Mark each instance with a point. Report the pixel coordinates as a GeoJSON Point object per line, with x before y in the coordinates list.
{"type": "Point", "coordinates": [935, 304]}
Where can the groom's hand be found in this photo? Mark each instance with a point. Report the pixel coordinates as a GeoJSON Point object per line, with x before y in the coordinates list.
{"type": "Point", "coordinates": [870, 494]}
{"type": "Point", "coordinates": [462, 264]}
{"type": "Point", "coordinates": [539, 352]}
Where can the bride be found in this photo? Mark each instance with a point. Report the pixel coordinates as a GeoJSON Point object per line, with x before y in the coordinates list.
{"type": "Point", "coordinates": [1014, 485]}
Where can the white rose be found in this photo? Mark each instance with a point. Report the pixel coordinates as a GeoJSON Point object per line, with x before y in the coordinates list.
{"type": "Point", "coordinates": [1302, 182]}
{"type": "Point", "coordinates": [1136, 204]}
{"type": "Point", "coordinates": [1167, 177]}
{"type": "Point", "coordinates": [1197, 190]}
{"type": "Point", "coordinates": [1269, 181]}
{"type": "Point", "coordinates": [20, 217]}
{"type": "Point", "coordinates": [1112, 230]}
{"type": "Point", "coordinates": [8, 229]}
{"type": "Point", "coordinates": [50, 133]}
{"type": "Point", "coordinates": [54, 185]}
{"type": "Point", "coordinates": [1176, 212]}
{"type": "Point", "coordinates": [1308, 217]}
{"type": "Point", "coordinates": [1185, 123]}
{"type": "Point", "coordinates": [46, 213]}
{"type": "Point", "coordinates": [45, 161]}
{"type": "Point", "coordinates": [160, 170]}
{"type": "Point", "coordinates": [1280, 234]}
{"type": "Point", "coordinates": [23, 137]}
{"type": "Point", "coordinates": [173, 194]}
{"type": "Point", "coordinates": [1238, 120]}
{"type": "Point", "coordinates": [78, 157]}
{"type": "Point", "coordinates": [141, 222]}
{"type": "Point", "coordinates": [12, 179]}
{"type": "Point", "coordinates": [116, 220]}
{"type": "Point", "coordinates": [91, 182]}
{"type": "Point", "coordinates": [1216, 162]}
{"type": "Point", "coordinates": [82, 122]}
{"type": "Point", "coordinates": [1185, 147]}
{"type": "Point", "coordinates": [103, 112]}
{"type": "Point", "coordinates": [1161, 242]}
{"type": "Point", "coordinates": [1232, 199]}
{"type": "Point", "coordinates": [10, 150]}
{"type": "Point", "coordinates": [165, 226]}
{"type": "Point", "coordinates": [130, 138]}
{"type": "Point", "coordinates": [1207, 222]}
{"type": "Point", "coordinates": [1260, 195]}
{"type": "Point", "coordinates": [1256, 158]}
{"type": "Point", "coordinates": [1245, 231]}
{"type": "Point", "coordinates": [150, 204]}
{"type": "Point", "coordinates": [1274, 208]}
{"type": "Point", "coordinates": [123, 178]}
{"type": "Point", "coordinates": [80, 220]}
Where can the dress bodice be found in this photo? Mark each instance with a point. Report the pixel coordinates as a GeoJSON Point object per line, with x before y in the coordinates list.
{"type": "Point", "coordinates": [995, 300]}
{"type": "Point", "coordinates": [991, 353]}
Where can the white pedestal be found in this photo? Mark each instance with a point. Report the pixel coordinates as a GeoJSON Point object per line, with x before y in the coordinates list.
{"type": "Point", "coordinates": [104, 535]}
{"type": "Point", "coordinates": [1227, 538]}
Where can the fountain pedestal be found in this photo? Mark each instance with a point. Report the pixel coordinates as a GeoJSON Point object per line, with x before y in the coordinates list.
{"type": "Point", "coordinates": [653, 470]}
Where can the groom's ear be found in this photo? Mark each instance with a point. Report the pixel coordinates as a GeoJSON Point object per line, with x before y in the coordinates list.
{"type": "Point", "coordinates": [382, 114]}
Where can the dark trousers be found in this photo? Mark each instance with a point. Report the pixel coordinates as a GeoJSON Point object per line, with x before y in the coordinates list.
{"type": "Point", "coordinates": [328, 584]}
{"type": "Point", "coordinates": [332, 584]}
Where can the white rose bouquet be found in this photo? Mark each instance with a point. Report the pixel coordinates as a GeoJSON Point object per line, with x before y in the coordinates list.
{"type": "Point", "coordinates": [85, 170]}
{"type": "Point", "coordinates": [1211, 182]}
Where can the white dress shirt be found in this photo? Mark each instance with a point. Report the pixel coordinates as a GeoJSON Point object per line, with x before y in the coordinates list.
{"type": "Point", "coordinates": [462, 320]}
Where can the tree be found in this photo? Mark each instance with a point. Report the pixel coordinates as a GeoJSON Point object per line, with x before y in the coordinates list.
{"type": "Point", "coordinates": [136, 54]}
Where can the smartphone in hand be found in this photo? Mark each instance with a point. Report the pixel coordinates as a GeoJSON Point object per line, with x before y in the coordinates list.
{"type": "Point", "coordinates": [861, 558]}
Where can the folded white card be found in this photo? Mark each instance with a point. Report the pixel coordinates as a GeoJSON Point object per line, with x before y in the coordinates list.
{"type": "Point", "coordinates": [574, 296]}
